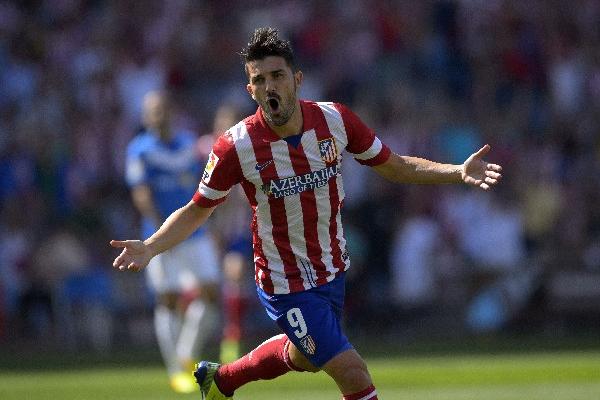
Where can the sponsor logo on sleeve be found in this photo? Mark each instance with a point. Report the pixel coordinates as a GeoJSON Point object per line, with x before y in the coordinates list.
{"type": "Point", "coordinates": [210, 166]}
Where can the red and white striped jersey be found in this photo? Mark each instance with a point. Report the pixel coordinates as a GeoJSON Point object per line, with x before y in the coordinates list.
{"type": "Point", "coordinates": [296, 193]}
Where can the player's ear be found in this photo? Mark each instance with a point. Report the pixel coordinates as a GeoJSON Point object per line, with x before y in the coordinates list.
{"type": "Point", "coordinates": [250, 92]}
{"type": "Point", "coordinates": [298, 77]}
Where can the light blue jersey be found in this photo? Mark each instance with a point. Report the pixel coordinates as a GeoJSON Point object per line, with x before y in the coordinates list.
{"type": "Point", "coordinates": [171, 169]}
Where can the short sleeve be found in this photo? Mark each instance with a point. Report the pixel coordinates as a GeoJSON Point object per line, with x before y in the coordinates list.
{"type": "Point", "coordinates": [222, 171]}
{"type": "Point", "coordinates": [363, 144]}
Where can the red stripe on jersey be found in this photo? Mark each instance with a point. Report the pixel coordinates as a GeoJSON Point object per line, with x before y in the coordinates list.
{"type": "Point", "coordinates": [281, 238]}
{"type": "Point", "coordinates": [322, 131]}
{"type": "Point", "coordinates": [310, 216]}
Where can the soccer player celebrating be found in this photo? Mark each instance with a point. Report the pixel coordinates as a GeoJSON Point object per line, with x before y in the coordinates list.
{"type": "Point", "coordinates": [162, 170]}
{"type": "Point", "coordinates": [287, 158]}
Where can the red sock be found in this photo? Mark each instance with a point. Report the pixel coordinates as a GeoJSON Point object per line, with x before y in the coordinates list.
{"type": "Point", "coordinates": [268, 361]}
{"type": "Point", "coordinates": [368, 394]}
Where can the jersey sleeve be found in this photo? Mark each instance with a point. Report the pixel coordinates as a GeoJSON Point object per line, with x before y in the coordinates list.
{"type": "Point", "coordinates": [364, 146]}
{"type": "Point", "coordinates": [222, 171]}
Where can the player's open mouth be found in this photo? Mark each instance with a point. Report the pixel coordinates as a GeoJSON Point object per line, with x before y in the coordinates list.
{"type": "Point", "coordinates": [273, 103]}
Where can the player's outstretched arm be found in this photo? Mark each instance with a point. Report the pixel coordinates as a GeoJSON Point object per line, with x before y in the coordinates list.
{"type": "Point", "coordinates": [182, 223]}
{"type": "Point", "coordinates": [474, 171]}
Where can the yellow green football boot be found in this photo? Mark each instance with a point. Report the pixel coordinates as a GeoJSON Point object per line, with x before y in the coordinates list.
{"type": "Point", "coordinates": [205, 377]}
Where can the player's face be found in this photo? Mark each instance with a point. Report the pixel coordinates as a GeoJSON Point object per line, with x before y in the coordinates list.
{"type": "Point", "coordinates": [156, 111]}
{"type": "Point", "coordinates": [274, 86]}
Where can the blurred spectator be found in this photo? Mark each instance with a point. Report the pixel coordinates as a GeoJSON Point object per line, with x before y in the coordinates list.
{"type": "Point", "coordinates": [433, 78]}
{"type": "Point", "coordinates": [415, 256]}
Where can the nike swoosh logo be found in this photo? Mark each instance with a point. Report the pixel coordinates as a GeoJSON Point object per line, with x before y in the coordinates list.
{"type": "Point", "coordinates": [261, 166]}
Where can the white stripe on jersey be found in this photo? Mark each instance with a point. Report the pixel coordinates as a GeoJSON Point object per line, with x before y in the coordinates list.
{"type": "Point", "coordinates": [246, 155]}
{"type": "Point", "coordinates": [371, 152]}
{"type": "Point", "coordinates": [309, 142]}
{"type": "Point", "coordinates": [212, 194]}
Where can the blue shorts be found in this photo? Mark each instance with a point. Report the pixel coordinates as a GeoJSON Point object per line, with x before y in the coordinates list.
{"type": "Point", "coordinates": [311, 319]}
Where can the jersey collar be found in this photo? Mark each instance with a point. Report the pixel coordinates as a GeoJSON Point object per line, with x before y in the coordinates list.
{"type": "Point", "coordinates": [269, 135]}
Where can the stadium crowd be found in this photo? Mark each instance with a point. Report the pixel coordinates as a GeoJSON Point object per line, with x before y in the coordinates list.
{"type": "Point", "coordinates": [433, 78]}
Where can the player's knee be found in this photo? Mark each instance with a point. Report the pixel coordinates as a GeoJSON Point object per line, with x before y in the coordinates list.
{"type": "Point", "coordinates": [169, 300]}
{"type": "Point", "coordinates": [209, 292]}
{"type": "Point", "coordinates": [349, 371]}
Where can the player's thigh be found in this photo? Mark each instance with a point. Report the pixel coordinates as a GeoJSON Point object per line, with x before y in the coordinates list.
{"type": "Point", "coordinates": [161, 278]}
{"type": "Point", "coordinates": [197, 262]}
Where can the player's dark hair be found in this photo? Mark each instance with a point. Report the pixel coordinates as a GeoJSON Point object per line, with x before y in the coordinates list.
{"type": "Point", "coordinates": [266, 42]}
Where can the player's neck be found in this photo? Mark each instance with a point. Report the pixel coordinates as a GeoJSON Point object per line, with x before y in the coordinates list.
{"type": "Point", "coordinates": [293, 126]}
{"type": "Point", "coordinates": [164, 133]}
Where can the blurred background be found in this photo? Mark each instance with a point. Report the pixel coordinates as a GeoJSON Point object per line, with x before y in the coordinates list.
{"type": "Point", "coordinates": [436, 79]}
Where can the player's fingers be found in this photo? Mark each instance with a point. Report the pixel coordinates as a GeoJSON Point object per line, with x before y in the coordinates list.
{"type": "Point", "coordinates": [491, 181]}
{"type": "Point", "coordinates": [133, 267]}
{"type": "Point", "coordinates": [119, 260]}
{"type": "Point", "coordinates": [482, 151]}
{"type": "Point", "coordinates": [493, 174]}
{"type": "Point", "coordinates": [473, 181]}
{"type": "Point", "coordinates": [494, 167]}
{"type": "Point", "coordinates": [484, 186]}
{"type": "Point", "coordinates": [118, 243]}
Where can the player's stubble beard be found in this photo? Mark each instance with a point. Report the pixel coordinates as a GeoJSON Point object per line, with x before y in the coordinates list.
{"type": "Point", "coordinates": [287, 106]}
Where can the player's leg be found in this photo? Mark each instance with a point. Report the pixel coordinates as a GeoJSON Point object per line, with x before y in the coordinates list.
{"type": "Point", "coordinates": [267, 361]}
{"type": "Point", "coordinates": [234, 304]}
{"type": "Point", "coordinates": [199, 323]}
{"type": "Point", "coordinates": [318, 340]}
{"type": "Point", "coordinates": [350, 373]}
{"type": "Point", "coordinates": [167, 321]}
{"type": "Point", "coordinates": [348, 370]}
{"type": "Point", "coordinates": [162, 277]}
{"type": "Point", "coordinates": [199, 267]}
{"type": "Point", "coordinates": [313, 339]}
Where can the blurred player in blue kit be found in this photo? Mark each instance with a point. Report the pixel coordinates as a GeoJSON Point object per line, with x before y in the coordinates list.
{"type": "Point", "coordinates": [162, 170]}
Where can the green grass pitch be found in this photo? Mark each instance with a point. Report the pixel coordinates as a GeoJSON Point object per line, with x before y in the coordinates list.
{"type": "Point", "coordinates": [533, 376]}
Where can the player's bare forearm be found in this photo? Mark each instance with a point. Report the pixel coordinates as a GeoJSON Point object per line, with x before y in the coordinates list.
{"type": "Point", "coordinates": [406, 169]}
{"type": "Point", "coordinates": [178, 227]}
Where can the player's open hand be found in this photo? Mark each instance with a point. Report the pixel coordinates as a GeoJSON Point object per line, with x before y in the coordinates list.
{"type": "Point", "coordinates": [479, 173]}
{"type": "Point", "coordinates": [134, 257]}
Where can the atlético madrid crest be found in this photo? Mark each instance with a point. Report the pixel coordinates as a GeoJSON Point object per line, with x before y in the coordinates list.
{"type": "Point", "coordinates": [328, 150]}
{"type": "Point", "coordinates": [308, 344]}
